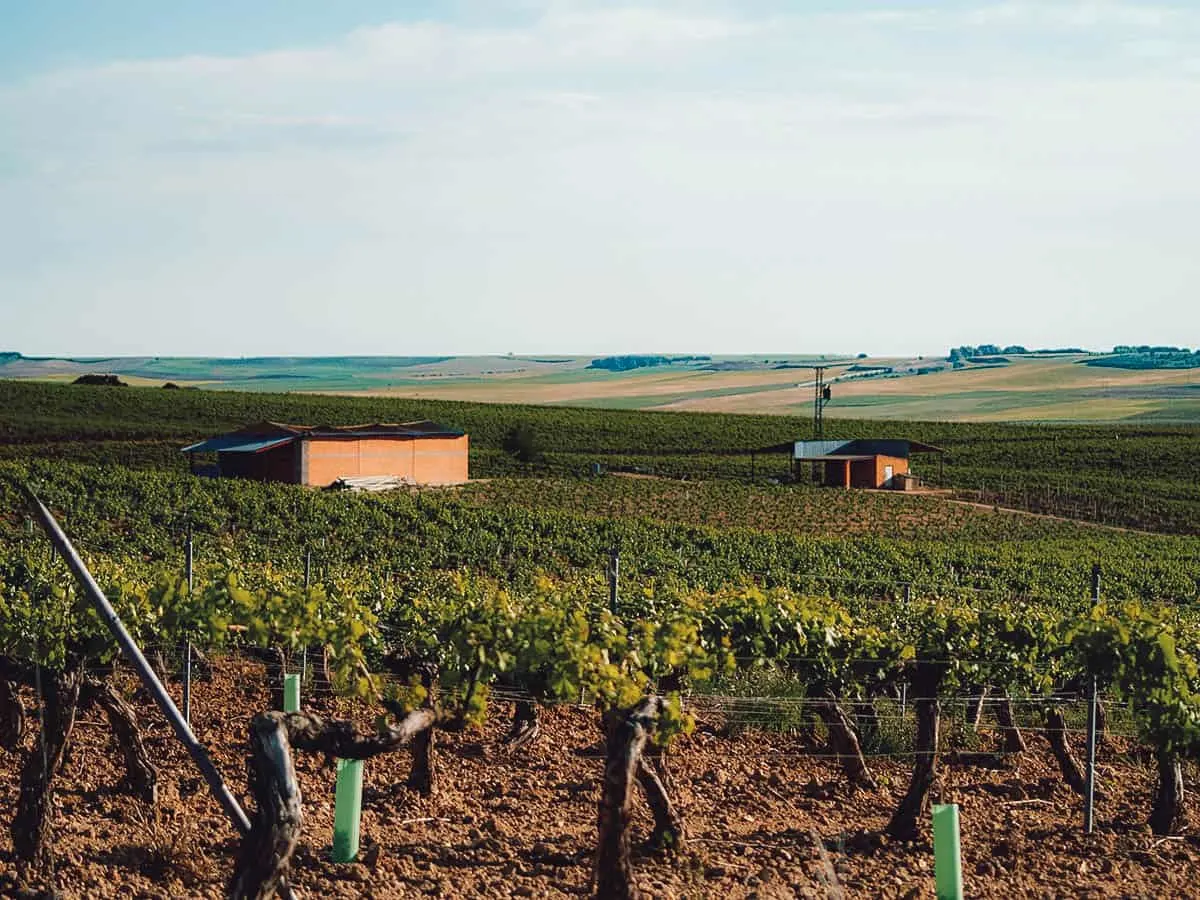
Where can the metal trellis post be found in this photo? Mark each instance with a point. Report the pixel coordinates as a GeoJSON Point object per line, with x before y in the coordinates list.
{"type": "Point", "coordinates": [187, 650]}
{"type": "Point", "coordinates": [307, 581]}
{"type": "Point", "coordinates": [614, 578]}
{"type": "Point", "coordinates": [1089, 809]}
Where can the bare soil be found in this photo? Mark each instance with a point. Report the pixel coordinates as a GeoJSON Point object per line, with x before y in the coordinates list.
{"type": "Point", "coordinates": [524, 823]}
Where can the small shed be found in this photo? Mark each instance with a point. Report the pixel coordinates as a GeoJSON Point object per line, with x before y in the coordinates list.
{"type": "Point", "coordinates": [412, 452]}
{"type": "Point", "coordinates": [862, 463]}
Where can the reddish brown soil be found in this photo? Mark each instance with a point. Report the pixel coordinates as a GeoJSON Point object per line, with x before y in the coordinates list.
{"type": "Point", "coordinates": [523, 824]}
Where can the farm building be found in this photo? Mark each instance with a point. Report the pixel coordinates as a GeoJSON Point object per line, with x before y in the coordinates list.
{"type": "Point", "coordinates": [411, 452]}
{"type": "Point", "coordinates": [863, 463]}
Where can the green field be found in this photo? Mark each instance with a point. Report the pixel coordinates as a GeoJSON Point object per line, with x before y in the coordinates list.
{"type": "Point", "coordinates": [1031, 388]}
{"type": "Point", "coordinates": [1138, 476]}
{"type": "Point", "coordinates": [736, 587]}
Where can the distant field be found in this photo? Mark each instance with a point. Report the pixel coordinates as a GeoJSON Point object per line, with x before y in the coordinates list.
{"type": "Point", "coordinates": [1026, 389]}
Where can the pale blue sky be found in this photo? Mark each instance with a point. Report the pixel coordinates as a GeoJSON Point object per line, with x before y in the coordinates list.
{"type": "Point", "coordinates": [305, 177]}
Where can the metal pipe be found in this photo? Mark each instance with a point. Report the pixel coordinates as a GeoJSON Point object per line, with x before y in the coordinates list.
{"type": "Point", "coordinates": [134, 654]}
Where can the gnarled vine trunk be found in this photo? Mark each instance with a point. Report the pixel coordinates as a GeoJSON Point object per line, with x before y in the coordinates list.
{"type": "Point", "coordinates": [266, 850]}
{"type": "Point", "coordinates": [31, 824]}
{"type": "Point", "coordinates": [904, 824]}
{"type": "Point", "coordinates": [275, 828]}
{"type": "Point", "coordinates": [158, 663]}
{"type": "Point", "coordinates": [626, 740]}
{"type": "Point", "coordinates": [1168, 813]}
{"type": "Point", "coordinates": [655, 779]}
{"type": "Point", "coordinates": [141, 775]}
{"type": "Point", "coordinates": [1056, 735]}
{"type": "Point", "coordinates": [422, 777]}
{"type": "Point", "coordinates": [525, 728]}
{"type": "Point", "coordinates": [843, 743]}
{"type": "Point", "coordinates": [1014, 742]}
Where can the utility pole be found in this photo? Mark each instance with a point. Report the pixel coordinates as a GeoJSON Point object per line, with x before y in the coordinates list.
{"type": "Point", "coordinates": [821, 395]}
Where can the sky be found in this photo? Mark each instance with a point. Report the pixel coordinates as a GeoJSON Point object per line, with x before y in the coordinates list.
{"type": "Point", "coordinates": [299, 177]}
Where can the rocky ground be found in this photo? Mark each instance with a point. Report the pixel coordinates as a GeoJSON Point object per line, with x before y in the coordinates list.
{"type": "Point", "coordinates": [766, 817]}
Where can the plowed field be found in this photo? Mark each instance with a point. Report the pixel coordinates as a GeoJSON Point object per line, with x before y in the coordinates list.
{"type": "Point", "coordinates": [523, 823]}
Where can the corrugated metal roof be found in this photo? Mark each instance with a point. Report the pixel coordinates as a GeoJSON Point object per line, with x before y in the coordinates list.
{"type": "Point", "coordinates": [839, 457]}
{"type": "Point", "coordinates": [265, 435]}
{"type": "Point", "coordinates": [817, 449]}
{"type": "Point", "coordinates": [413, 429]}
{"type": "Point", "coordinates": [272, 429]}
{"type": "Point", "coordinates": [860, 448]}
{"type": "Point", "coordinates": [236, 443]}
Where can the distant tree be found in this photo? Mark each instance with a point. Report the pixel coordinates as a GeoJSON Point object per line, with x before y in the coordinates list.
{"type": "Point", "coordinates": [108, 380]}
{"type": "Point", "coordinates": [521, 443]}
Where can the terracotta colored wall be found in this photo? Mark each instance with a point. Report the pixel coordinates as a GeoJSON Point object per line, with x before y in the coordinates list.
{"type": "Point", "coordinates": [898, 464]}
{"type": "Point", "coordinates": [440, 460]}
{"type": "Point", "coordinates": [426, 460]}
{"type": "Point", "coordinates": [864, 473]}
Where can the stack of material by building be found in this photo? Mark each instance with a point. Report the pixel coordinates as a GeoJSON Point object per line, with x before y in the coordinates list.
{"type": "Point", "coordinates": [371, 483]}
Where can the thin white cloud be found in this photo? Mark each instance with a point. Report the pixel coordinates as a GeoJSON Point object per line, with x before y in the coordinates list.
{"type": "Point", "coordinates": [599, 178]}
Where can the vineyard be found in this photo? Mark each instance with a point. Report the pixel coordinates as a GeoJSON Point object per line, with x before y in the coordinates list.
{"type": "Point", "coordinates": [795, 509]}
{"type": "Point", "coordinates": [1136, 476]}
{"type": "Point", "coordinates": [768, 689]}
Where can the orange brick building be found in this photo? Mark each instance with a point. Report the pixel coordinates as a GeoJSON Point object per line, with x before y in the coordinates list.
{"type": "Point", "coordinates": [416, 452]}
{"type": "Point", "coordinates": [861, 463]}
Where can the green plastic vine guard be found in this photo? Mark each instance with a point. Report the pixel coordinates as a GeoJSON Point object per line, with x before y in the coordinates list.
{"type": "Point", "coordinates": [947, 862]}
{"type": "Point", "coordinates": [347, 810]}
{"type": "Point", "coordinates": [291, 693]}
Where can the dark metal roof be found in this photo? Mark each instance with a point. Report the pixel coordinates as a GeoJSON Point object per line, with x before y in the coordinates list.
{"type": "Point", "coordinates": [841, 457]}
{"type": "Point", "coordinates": [265, 435]}
{"type": "Point", "coordinates": [860, 448]}
{"type": "Point", "coordinates": [233, 443]}
{"type": "Point", "coordinates": [407, 429]}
